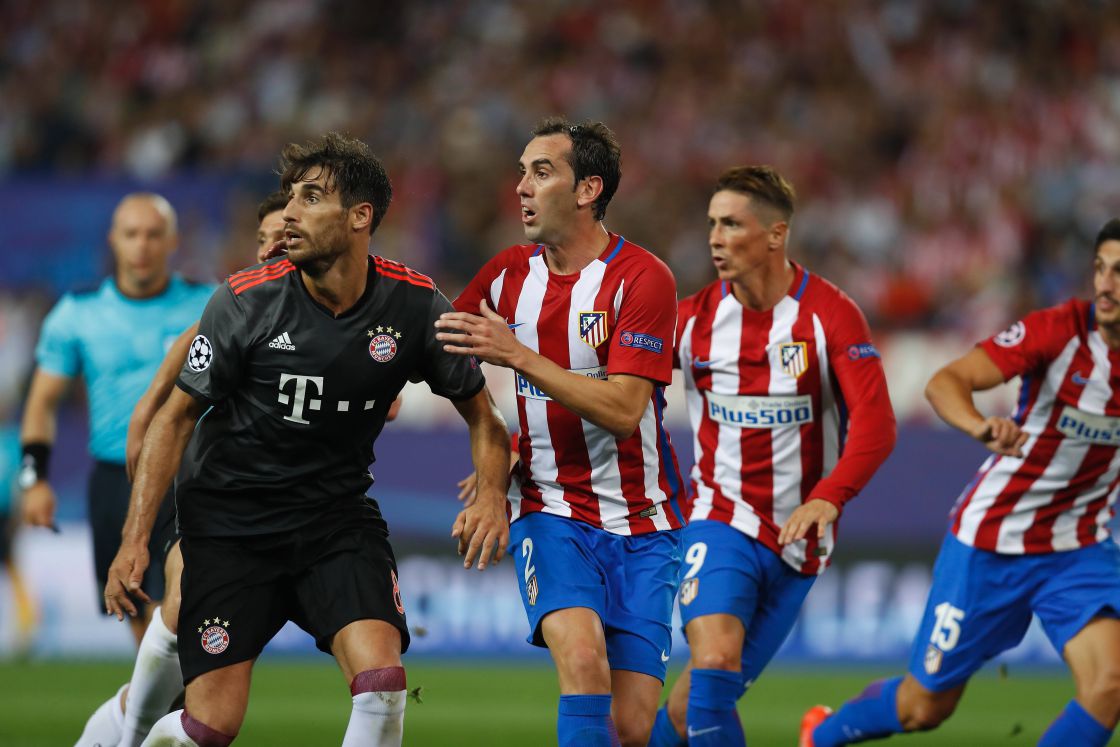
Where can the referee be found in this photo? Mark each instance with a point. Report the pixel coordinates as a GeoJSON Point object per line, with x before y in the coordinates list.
{"type": "Point", "coordinates": [114, 336]}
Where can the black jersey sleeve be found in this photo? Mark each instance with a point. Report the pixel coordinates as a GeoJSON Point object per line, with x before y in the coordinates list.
{"type": "Point", "coordinates": [216, 355]}
{"type": "Point", "coordinates": [449, 375]}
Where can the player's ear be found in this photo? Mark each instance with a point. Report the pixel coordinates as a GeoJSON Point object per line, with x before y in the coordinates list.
{"type": "Point", "coordinates": [588, 190]}
{"type": "Point", "coordinates": [361, 217]}
{"type": "Point", "coordinates": [776, 239]}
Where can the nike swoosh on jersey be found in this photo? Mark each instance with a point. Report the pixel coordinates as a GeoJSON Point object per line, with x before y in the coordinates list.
{"type": "Point", "coordinates": [1078, 379]}
{"type": "Point", "coordinates": [702, 364]}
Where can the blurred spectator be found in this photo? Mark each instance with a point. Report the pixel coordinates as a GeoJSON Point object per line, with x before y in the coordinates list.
{"type": "Point", "coordinates": [954, 153]}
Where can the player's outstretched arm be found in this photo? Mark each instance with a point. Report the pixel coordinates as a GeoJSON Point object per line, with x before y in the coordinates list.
{"type": "Point", "coordinates": [159, 461]}
{"type": "Point", "coordinates": [37, 434]}
{"type": "Point", "coordinates": [950, 393]}
{"type": "Point", "coordinates": [482, 528]}
{"type": "Point", "coordinates": [154, 397]}
{"type": "Point", "coordinates": [616, 404]}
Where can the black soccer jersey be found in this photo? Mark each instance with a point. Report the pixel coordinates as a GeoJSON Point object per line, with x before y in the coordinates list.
{"type": "Point", "coordinates": [298, 395]}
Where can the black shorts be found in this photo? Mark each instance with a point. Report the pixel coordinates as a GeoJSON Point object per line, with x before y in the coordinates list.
{"type": "Point", "coordinates": [109, 490]}
{"type": "Point", "coordinates": [7, 531]}
{"type": "Point", "coordinates": [239, 591]}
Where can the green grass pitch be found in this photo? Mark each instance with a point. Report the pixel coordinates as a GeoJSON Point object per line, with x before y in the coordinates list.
{"type": "Point", "coordinates": [305, 702]}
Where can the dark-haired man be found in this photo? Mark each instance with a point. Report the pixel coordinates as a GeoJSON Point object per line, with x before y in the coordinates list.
{"type": "Point", "coordinates": [772, 358]}
{"type": "Point", "coordinates": [1029, 533]}
{"type": "Point", "coordinates": [125, 719]}
{"type": "Point", "coordinates": [585, 318]}
{"type": "Point", "coordinates": [299, 361]}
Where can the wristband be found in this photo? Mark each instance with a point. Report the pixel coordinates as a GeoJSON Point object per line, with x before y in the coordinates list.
{"type": "Point", "coordinates": [34, 463]}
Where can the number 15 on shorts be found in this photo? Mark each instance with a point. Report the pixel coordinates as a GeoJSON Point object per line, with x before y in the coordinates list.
{"type": "Point", "coordinates": [946, 633]}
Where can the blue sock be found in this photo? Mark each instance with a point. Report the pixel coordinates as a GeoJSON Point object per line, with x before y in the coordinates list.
{"type": "Point", "coordinates": [664, 734]}
{"type": "Point", "coordinates": [870, 715]}
{"type": "Point", "coordinates": [1075, 726]}
{"type": "Point", "coordinates": [585, 720]}
{"type": "Point", "coordinates": [712, 718]}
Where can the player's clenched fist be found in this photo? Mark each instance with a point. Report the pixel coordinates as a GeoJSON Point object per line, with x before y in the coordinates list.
{"type": "Point", "coordinates": [1001, 435]}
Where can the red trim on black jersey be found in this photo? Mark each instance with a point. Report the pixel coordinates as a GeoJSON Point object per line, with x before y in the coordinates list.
{"type": "Point", "coordinates": [243, 281]}
{"type": "Point", "coordinates": [397, 271]}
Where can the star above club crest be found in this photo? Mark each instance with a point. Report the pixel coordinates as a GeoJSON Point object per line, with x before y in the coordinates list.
{"type": "Point", "coordinates": [199, 628]}
{"type": "Point", "coordinates": [380, 328]}
{"type": "Point", "coordinates": [206, 622]}
{"type": "Point", "coordinates": [225, 623]}
{"type": "Point", "coordinates": [389, 330]}
{"type": "Point", "coordinates": [370, 332]}
{"type": "Point", "coordinates": [397, 335]}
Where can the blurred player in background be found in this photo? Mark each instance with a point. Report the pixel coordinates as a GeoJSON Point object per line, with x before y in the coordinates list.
{"type": "Point", "coordinates": [26, 612]}
{"type": "Point", "coordinates": [299, 361]}
{"type": "Point", "coordinates": [114, 337]}
{"type": "Point", "coordinates": [790, 414]}
{"type": "Point", "coordinates": [126, 718]}
{"type": "Point", "coordinates": [1029, 533]}
{"type": "Point", "coordinates": [585, 319]}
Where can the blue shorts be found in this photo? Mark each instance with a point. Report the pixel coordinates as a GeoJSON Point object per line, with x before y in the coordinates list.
{"type": "Point", "coordinates": [628, 581]}
{"type": "Point", "coordinates": [727, 572]}
{"type": "Point", "coordinates": [980, 605]}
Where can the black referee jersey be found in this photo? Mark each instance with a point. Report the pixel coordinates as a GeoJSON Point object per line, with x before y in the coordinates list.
{"type": "Point", "coordinates": [298, 395]}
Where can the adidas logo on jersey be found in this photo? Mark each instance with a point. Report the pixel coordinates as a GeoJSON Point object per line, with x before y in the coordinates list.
{"type": "Point", "coordinates": [282, 342]}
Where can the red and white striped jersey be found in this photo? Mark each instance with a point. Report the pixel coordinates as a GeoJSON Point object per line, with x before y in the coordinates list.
{"type": "Point", "coordinates": [1059, 495]}
{"type": "Point", "coordinates": [785, 405]}
{"type": "Point", "coordinates": [613, 317]}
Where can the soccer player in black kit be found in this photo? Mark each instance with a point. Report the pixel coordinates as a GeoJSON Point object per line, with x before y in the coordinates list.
{"type": "Point", "coordinates": [298, 361]}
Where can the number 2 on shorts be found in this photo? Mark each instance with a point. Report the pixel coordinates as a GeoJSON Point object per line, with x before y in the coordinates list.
{"type": "Point", "coordinates": [527, 553]}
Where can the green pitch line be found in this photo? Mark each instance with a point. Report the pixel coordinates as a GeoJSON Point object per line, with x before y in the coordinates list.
{"type": "Point", "coordinates": [305, 702]}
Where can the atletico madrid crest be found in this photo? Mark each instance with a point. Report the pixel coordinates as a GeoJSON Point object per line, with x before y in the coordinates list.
{"type": "Point", "coordinates": [593, 327]}
{"type": "Point", "coordinates": [795, 358]}
{"type": "Point", "coordinates": [688, 590]}
{"type": "Point", "coordinates": [531, 589]}
{"type": "Point", "coordinates": [933, 659]}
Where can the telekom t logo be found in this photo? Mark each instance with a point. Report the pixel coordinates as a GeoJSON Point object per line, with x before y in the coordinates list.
{"type": "Point", "coordinates": [300, 395]}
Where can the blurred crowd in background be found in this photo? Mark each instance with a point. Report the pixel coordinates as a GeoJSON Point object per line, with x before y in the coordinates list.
{"type": "Point", "coordinates": [954, 158]}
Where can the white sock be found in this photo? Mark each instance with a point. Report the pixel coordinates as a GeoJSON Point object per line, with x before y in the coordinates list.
{"type": "Point", "coordinates": [104, 727]}
{"type": "Point", "coordinates": [377, 720]}
{"type": "Point", "coordinates": [156, 680]}
{"type": "Point", "coordinates": [168, 732]}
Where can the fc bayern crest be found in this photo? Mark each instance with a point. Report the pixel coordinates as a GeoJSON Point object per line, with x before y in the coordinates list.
{"type": "Point", "coordinates": [593, 327]}
{"type": "Point", "coordinates": [382, 348]}
{"type": "Point", "coordinates": [200, 354]}
{"type": "Point", "coordinates": [397, 601]}
{"type": "Point", "coordinates": [215, 639]}
{"type": "Point", "coordinates": [795, 358]}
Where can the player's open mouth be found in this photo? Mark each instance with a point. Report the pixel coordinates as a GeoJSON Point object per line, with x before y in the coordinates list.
{"type": "Point", "coordinates": [292, 238]}
{"type": "Point", "coordinates": [527, 215]}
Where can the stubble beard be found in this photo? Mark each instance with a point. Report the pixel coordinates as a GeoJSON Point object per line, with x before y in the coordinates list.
{"type": "Point", "coordinates": [321, 256]}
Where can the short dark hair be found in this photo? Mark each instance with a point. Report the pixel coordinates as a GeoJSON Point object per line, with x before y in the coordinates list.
{"type": "Point", "coordinates": [1109, 232]}
{"type": "Point", "coordinates": [278, 200]}
{"type": "Point", "coordinates": [763, 184]}
{"type": "Point", "coordinates": [595, 152]}
{"type": "Point", "coordinates": [354, 171]}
